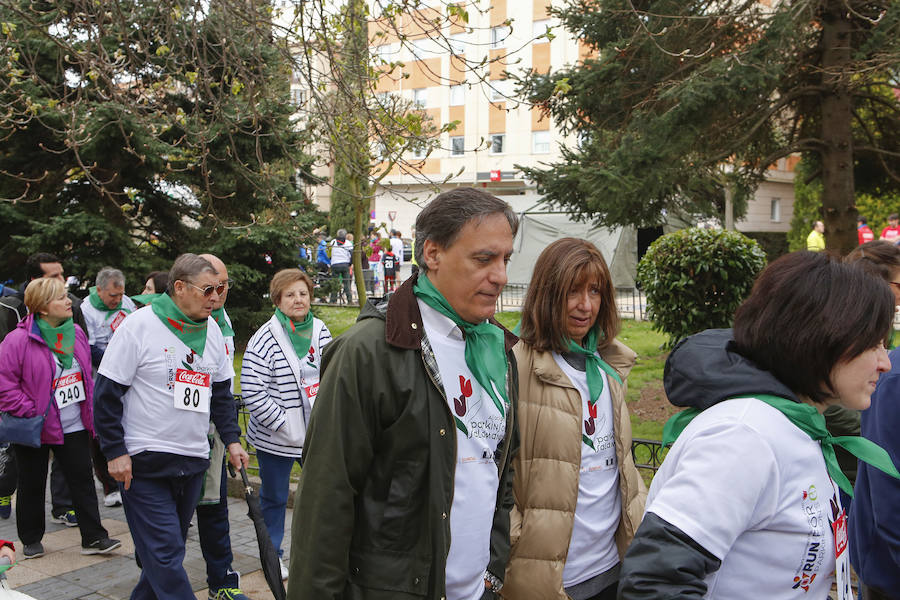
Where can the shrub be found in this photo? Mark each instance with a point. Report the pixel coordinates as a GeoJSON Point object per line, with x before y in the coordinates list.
{"type": "Point", "coordinates": [694, 279]}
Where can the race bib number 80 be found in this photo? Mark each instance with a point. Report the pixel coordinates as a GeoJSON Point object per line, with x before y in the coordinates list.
{"type": "Point", "coordinates": [192, 391]}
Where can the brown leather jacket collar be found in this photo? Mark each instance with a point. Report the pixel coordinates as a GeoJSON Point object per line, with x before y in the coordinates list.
{"type": "Point", "coordinates": [403, 321]}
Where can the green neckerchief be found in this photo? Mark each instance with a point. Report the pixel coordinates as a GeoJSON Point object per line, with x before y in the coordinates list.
{"type": "Point", "coordinates": [806, 418]}
{"type": "Point", "coordinates": [219, 315]}
{"type": "Point", "coordinates": [485, 347]}
{"type": "Point", "coordinates": [594, 364]}
{"type": "Point", "coordinates": [192, 333]}
{"type": "Point", "coordinates": [97, 303]}
{"type": "Point", "coordinates": [300, 333]}
{"type": "Point", "coordinates": [60, 339]}
{"type": "Point", "coordinates": [145, 299]}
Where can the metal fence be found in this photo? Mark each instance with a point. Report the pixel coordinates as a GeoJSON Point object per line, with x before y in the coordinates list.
{"type": "Point", "coordinates": [630, 301]}
{"type": "Point", "coordinates": [648, 454]}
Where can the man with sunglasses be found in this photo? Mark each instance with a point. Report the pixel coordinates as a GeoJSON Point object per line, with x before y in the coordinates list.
{"type": "Point", "coordinates": [212, 511]}
{"type": "Point", "coordinates": [165, 373]}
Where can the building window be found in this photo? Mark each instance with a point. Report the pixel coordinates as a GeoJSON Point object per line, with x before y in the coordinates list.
{"type": "Point", "coordinates": [497, 141]}
{"type": "Point", "coordinates": [298, 96]}
{"type": "Point", "coordinates": [420, 97]}
{"type": "Point", "coordinates": [457, 95]}
{"type": "Point", "coordinates": [499, 90]}
{"type": "Point", "coordinates": [540, 142]}
{"type": "Point", "coordinates": [419, 150]}
{"type": "Point", "coordinates": [498, 36]}
{"type": "Point", "coordinates": [421, 48]}
{"type": "Point", "coordinates": [457, 145]}
{"type": "Point", "coordinates": [458, 43]}
{"type": "Point", "coordinates": [775, 210]}
{"type": "Point", "coordinates": [385, 52]}
{"type": "Point", "coordinates": [539, 30]}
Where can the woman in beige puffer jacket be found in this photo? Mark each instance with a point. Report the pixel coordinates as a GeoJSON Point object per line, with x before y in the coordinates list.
{"type": "Point", "coordinates": [574, 468]}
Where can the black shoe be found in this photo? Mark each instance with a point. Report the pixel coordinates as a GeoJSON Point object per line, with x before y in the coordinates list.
{"type": "Point", "coordinates": [101, 546]}
{"type": "Point", "coordinates": [35, 550]}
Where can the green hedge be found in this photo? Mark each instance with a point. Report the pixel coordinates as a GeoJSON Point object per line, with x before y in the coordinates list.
{"type": "Point", "coordinates": [695, 278]}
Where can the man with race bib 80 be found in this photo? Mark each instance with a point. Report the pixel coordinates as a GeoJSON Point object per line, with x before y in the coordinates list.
{"type": "Point", "coordinates": [165, 373]}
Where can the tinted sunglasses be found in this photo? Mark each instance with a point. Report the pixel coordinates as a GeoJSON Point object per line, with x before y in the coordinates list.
{"type": "Point", "coordinates": [208, 290]}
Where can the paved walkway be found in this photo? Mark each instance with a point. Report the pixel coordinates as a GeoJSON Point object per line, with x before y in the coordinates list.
{"type": "Point", "coordinates": [63, 573]}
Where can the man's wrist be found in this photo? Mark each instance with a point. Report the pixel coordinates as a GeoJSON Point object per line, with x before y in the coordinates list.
{"type": "Point", "coordinates": [494, 583]}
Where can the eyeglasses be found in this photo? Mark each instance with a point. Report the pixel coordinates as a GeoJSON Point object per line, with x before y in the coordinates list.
{"type": "Point", "coordinates": [208, 290]}
{"type": "Point", "coordinates": [229, 283]}
{"type": "Point", "coordinates": [897, 283]}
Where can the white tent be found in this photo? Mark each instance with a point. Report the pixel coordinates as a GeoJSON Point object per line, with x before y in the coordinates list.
{"type": "Point", "coordinates": [539, 228]}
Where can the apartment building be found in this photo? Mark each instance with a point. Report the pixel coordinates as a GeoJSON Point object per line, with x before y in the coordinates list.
{"type": "Point", "coordinates": [494, 130]}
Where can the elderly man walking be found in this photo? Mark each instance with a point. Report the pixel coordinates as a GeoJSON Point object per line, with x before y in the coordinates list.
{"type": "Point", "coordinates": [212, 511]}
{"type": "Point", "coordinates": [165, 374]}
{"type": "Point", "coordinates": [106, 308]}
{"type": "Point", "coordinates": [410, 441]}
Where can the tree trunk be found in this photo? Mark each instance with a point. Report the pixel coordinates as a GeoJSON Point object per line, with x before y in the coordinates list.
{"type": "Point", "coordinates": [838, 201]}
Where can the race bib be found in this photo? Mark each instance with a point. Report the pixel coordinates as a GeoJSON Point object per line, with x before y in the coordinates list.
{"type": "Point", "coordinates": [841, 557]}
{"type": "Point", "coordinates": [117, 320]}
{"type": "Point", "coordinates": [311, 392]}
{"type": "Point", "coordinates": [68, 389]}
{"type": "Point", "coordinates": [192, 391]}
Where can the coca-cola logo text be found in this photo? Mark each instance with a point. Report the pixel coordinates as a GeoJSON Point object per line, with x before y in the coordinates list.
{"type": "Point", "coordinates": [68, 380]}
{"type": "Point", "coordinates": [192, 378]}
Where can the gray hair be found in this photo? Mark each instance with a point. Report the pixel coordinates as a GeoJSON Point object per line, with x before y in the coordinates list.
{"type": "Point", "coordinates": [188, 266]}
{"type": "Point", "coordinates": [108, 275]}
{"type": "Point", "coordinates": [444, 217]}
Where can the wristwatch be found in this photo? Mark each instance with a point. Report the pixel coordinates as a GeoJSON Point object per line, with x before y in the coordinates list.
{"type": "Point", "coordinates": [493, 583]}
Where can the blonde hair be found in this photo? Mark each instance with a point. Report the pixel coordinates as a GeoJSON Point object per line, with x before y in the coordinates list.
{"type": "Point", "coordinates": [41, 292]}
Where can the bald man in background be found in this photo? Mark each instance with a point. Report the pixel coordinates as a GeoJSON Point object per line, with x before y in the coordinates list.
{"type": "Point", "coordinates": [212, 511]}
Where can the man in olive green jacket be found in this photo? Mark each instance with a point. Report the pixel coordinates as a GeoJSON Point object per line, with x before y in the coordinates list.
{"type": "Point", "coordinates": [389, 469]}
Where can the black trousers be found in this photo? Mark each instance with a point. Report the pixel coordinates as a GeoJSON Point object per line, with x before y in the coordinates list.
{"type": "Point", "coordinates": [74, 456]}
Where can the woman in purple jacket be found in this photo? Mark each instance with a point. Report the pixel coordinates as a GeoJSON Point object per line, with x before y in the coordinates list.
{"type": "Point", "coordinates": [45, 369]}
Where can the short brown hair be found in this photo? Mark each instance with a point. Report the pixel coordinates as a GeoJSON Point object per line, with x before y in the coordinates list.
{"type": "Point", "coordinates": [808, 312]}
{"type": "Point", "coordinates": [446, 215]}
{"type": "Point", "coordinates": [565, 265]}
{"type": "Point", "coordinates": [41, 292]}
{"type": "Point", "coordinates": [285, 278]}
{"type": "Point", "coordinates": [879, 258]}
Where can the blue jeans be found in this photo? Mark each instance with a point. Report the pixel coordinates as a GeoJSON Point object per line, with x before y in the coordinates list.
{"type": "Point", "coordinates": [215, 540]}
{"type": "Point", "coordinates": [158, 511]}
{"type": "Point", "coordinates": [275, 476]}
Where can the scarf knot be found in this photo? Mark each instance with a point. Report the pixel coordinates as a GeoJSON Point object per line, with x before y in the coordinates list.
{"type": "Point", "coordinates": [299, 332]}
{"type": "Point", "coordinates": [191, 333]}
{"type": "Point", "coordinates": [485, 353]}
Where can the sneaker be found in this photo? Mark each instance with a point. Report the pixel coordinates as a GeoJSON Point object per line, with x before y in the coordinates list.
{"type": "Point", "coordinates": [67, 518]}
{"type": "Point", "coordinates": [5, 506]}
{"type": "Point", "coordinates": [101, 546]}
{"type": "Point", "coordinates": [284, 569]}
{"type": "Point", "coordinates": [227, 594]}
{"type": "Point", "coordinates": [113, 499]}
{"type": "Point", "coordinates": [34, 550]}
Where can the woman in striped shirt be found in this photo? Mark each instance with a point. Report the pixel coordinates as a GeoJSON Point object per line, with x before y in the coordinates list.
{"type": "Point", "coordinates": [279, 383]}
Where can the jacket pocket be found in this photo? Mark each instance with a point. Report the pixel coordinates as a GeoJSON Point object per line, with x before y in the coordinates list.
{"type": "Point", "coordinates": [389, 571]}
{"type": "Point", "coordinates": [397, 521]}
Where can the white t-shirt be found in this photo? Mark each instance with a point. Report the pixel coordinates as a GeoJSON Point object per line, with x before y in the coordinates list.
{"type": "Point", "coordinates": [752, 489]}
{"type": "Point", "coordinates": [592, 547]}
{"type": "Point", "coordinates": [67, 391]}
{"type": "Point", "coordinates": [145, 355]}
{"type": "Point", "coordinates": [397, 249]}
{"type": "Point", "coordinates": [101, 324]}
{"type": "Point", "coordinates": [480, 429]}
